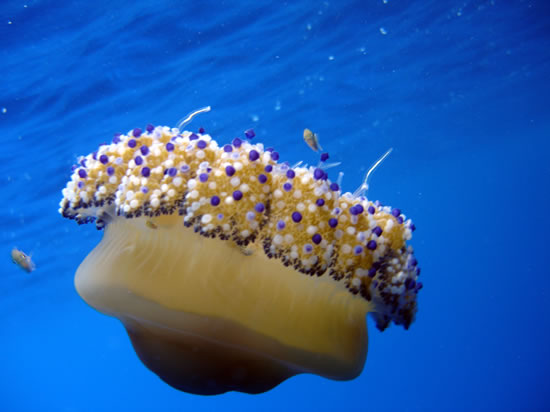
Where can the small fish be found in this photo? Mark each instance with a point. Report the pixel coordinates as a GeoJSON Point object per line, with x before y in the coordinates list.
{"type": "Point", "coordinates": [312, 140]}
{"type": "Point", "coordinates": [246, 251]}
{"type": "Point", "coordinates": [22, 260]}
{"type": "Point", "coordinates": [150, 224]}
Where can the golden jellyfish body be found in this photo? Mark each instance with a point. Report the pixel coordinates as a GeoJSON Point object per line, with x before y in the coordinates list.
{"type": "Point", "coordinates": [232, 271]}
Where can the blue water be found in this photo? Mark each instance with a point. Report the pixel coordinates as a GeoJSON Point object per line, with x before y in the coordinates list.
{"type": "Point", "coordinates": [459, 89]}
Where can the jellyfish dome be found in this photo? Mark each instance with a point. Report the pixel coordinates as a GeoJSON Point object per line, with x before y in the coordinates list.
{"type": "Point", "coordinates": [230, 270]}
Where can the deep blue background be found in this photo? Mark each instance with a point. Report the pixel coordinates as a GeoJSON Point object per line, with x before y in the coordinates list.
{"type": "Point", "coordinates": [459, 89]}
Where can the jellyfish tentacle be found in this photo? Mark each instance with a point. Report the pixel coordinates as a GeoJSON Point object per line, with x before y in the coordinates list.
{"type": "Point", "coordinates": [187, 119]}
{"type": "Point", "coordinates": [363, 189]}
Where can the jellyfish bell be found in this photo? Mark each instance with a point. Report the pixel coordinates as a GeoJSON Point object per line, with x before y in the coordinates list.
{"type": "Point", "coordinates": [230, 271]}
{"type": "Point", "coordinates": [208, 319]}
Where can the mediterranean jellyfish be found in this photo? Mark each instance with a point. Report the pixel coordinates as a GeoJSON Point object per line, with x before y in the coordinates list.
{"type": "Point", "coordinates": [231, 271]}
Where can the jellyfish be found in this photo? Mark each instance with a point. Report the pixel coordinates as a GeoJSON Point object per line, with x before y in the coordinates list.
{"type": "Point", "coordinates": [230, 270]}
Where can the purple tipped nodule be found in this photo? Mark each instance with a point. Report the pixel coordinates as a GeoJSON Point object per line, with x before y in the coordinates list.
{"type": "Point", "coordinates": [169, 146]}
{"type": "Point", "coordinates": [201, 130]}
{"type": "Point", "coordinates": [237, 195]}
{"type": "Point", "coordinates": [104, 159]}
{"type": "Point", "coordinates": [237, 142]}
{"type": "Point", "coordinates": [371, 210]}
{"type": "Point", "coordinates": [410, 283]}
{"type": "Point", "coordinates": [203, 177]}
{"type": "Point", "coordinates": [145, 171]}
{"type": "Point", "coordinates": [193, 136]}
{"type": "Point", "coordinates": [320, 202]}
{"type": "Point", "coordinates": [262, 178]}
{"type": "Point", "coordinates": [149, 128]}
{"type": "Point", "coordinates": [138, 160]}
{"type": "Point", "coordinates": [318, 173]}
{"type": "Point", "coordinates": [275, 156]}
{"type": "Point", "coordinates": [324, 157]}
{"type": "Point", "coordinates": [136, 132]}
{"type": "Point", "coordinates": [296, 217]}
{"type": "Point", "coordinates": [268, 168]}
{"type": "Point", "coordinates": [316, 238]}
{"type": "Point", "coordinates": [132, 143]}
{"type": "Point", "coordinates": [290, 174]}
{"type": "Point", "coordinates": [144, 150]}
{"type": "Point", "coordinates": [214, 200]}
{"type": "Point", "coordinates": [82, 173]}
{"type": "Point", "coordinates": [249, 134]}
{"type": "Point", "coordinates": [333, 222]}
{"type": "Point", "coordinates": [227, 148]}
{"type": "Point", "coordinates": [201, 144]}
{"type": "Point", "coordinates": [253, 155]}
{"type": "Point", "coordinates": [230, 170]}
{"type": "Point", "coordinates": [334, 187]}
{"type": "Point", "coordinates": [172, 172]}
{"type": "Point", "coordinates": [377, 231]}
{"type": "Point", "coordinates": [371, 244]}
{"type": "Point", "coordinates": [110, 171]}
{"type": "Point", "coordinates": [396, 212]}
{"type": "Point", "coordinates": [259, 207]}
{"type": "Point", "coordinates": [287, 187]}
